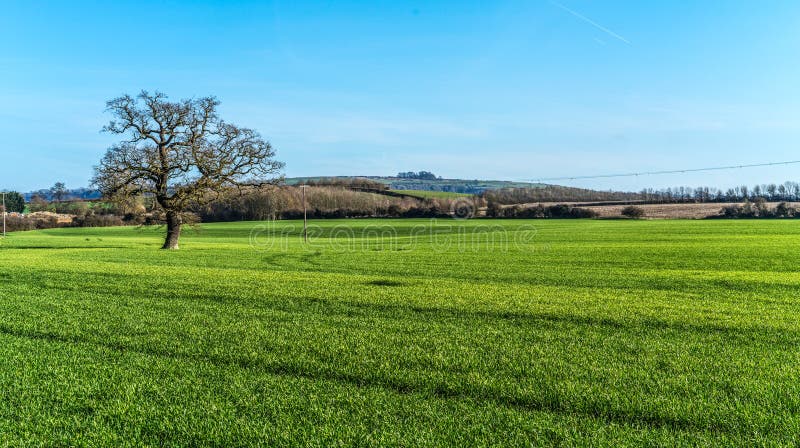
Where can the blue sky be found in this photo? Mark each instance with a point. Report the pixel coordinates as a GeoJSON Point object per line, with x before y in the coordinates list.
{"type": "Point", "coordinates": [502, 89]}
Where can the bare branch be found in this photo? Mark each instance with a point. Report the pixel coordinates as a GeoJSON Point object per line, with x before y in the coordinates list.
{"type": "Point", "coordinates": [181, 153]}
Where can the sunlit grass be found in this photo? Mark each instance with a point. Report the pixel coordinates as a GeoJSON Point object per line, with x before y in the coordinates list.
{"type": "Point", "coordinates": [404, 332]}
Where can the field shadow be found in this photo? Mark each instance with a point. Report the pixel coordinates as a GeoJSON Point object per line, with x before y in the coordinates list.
{"type": "Point", "coordinates": [61, 247]}
{"type": "Point", "coordinates": [550, 402]}
{"type": "Point", "coordinates": [286, 260]}
{"type": "Point", "coordinates": [386, 283]}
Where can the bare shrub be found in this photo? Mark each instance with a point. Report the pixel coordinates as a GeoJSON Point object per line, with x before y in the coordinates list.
{"type": "Point", "coordinates": [633, 211]}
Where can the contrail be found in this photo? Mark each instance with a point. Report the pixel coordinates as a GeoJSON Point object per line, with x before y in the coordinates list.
{"type": "Point", "coordinates": [590, 22]}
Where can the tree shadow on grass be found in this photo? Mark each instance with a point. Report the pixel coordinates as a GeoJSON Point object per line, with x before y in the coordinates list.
{"type": "Point", "coordinates": [294, 302]}
{"type": "Point", "coordinates": [286, 260]}
{"type": "Point", "coordinates": [548, 402]}
{"type": "Point", "coordinates": [61, 247]}
{"type": "Point", "coordinates": [386, 282]}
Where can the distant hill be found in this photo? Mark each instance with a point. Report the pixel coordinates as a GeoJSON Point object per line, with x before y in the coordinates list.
{"type": "Point", "coordinates": [445, 185]}
{"type": "Point", "coordinates": [504, 192]}
{"type": "Point", "coordinates": [464, 186]}
{"type": "Point", "coordinates": [74, 194]}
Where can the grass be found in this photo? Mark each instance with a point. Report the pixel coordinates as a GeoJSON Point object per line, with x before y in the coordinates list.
{"type": "Point", "coordinates": [403, 333]}
{"type": "Point", "coordinates": [425, 194]}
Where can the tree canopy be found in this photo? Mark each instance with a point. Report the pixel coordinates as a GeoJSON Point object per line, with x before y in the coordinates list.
{"type": "Point", "coordinates": [181, 153]}
{"type": "Point", "coordinates": [421, 175]}
{"type": "Point", "coordinates": [15, 202]}
{"type": "Point", "coordinates": [59, 191]}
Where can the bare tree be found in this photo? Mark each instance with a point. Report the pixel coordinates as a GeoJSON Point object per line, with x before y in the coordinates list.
{"type": "Point", "coordinates": [58, 191]}
{"type": "Point", "coordinates": [180, 153]}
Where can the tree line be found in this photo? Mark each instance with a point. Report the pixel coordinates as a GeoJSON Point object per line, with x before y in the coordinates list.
{"type": "Point", "coordinates": [554, 193]}
{"type": "Point", "coordinates": [322, 201]}
{"type": "Point", "coordinates": [419, 175]}
{"type": "Point", "coordinates": [539, 211]}
{"type": "Point", "coordinates": [785, 192]}
{"type": "Point", "coordinates": [758, 209]}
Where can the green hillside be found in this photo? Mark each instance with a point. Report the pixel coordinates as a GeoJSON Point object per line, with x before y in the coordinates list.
{"type": "Point", "coordinates": [447, 185]}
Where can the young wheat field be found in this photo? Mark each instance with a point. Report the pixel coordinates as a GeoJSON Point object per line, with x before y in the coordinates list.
{"type": "Point", "coordinates": [403, 333]}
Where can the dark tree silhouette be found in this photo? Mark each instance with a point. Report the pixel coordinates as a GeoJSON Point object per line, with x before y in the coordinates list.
{"type": "Point", "coordinates": [15, 202]}
{"type": "Point", "coordinates": [58, 191]}
{"type": "Point", "coordinates": [180, 153]}
{"type": "Point", "coordinates": [633, 211]}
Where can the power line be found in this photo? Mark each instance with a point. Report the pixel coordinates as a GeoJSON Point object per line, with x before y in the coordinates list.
{"type": "Point", "coordinates": [651, 173]}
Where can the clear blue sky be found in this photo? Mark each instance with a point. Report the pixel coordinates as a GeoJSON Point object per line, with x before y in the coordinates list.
{"type": "Point", "coordinates": [500, 89]}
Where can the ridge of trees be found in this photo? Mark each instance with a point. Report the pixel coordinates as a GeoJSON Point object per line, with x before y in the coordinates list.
{"type": "Point", "coordinates": [346, 182]}
{"type": "Point", "coordinates": [419, 175]}
{"type": "Point", "coordinates": [785, 192]}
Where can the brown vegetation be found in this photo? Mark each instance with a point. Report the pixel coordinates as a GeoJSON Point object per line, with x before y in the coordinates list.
{"type": "Point", "coordinates": [676, 211]}
{"type": "Point", "coordinates": [323, 202]}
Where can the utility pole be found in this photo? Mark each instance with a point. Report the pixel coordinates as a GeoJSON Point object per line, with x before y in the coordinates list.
{"type": "Point", "coordinates": [4, 214]}
{"type": "Point", "coordinates": [305, 217]}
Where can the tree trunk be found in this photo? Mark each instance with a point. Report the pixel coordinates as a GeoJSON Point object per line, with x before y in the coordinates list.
{"type": "Point", "coordinates": [174, 222]}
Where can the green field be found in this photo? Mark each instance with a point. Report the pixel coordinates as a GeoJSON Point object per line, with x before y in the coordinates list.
{"type": "Point", "coordinates": [381, 332]}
